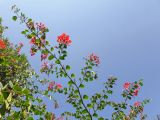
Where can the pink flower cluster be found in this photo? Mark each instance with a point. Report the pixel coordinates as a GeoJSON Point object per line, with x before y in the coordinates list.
{"type": "Point", "coordinates": [127, 85]}
{"type": "Point", "coordinates": [44, 56]}
{"type": "Point", "coordinates": [64, 39]}
{"type": "Point", "coordinates": [41, 26]}
{"type": "Point", "coordinates": [94, 58]}
{"type": "Point", "coordinates": [137, 104]}
{"type": "Point", "coordinates": [53, 84]}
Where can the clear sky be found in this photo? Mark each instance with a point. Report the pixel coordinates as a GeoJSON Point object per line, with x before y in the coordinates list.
{"type": "Point", "coordinates": [124, 33]}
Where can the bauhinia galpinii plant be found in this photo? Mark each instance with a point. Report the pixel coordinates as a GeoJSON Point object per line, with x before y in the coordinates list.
{"type": "Point", "coordinates": [86, 107]}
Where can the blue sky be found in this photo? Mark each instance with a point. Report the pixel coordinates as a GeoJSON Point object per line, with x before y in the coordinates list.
{"type": "Point", "coordinates": [124, 33]}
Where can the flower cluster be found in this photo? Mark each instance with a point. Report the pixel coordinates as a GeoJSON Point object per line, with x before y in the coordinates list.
{"type": "Point", "coordinates": [131, 88]}
{"type": "Point", "coordinates": [53, 85]}
{"type": "Point", "coordinates": [2, 44]}
{"type": "Point", "coordinates": [137, 104]}
{"type": "Point", "coordinates": [44, 56]}
{"type": "Point", "coordinates": [94, 58]}
{"type": "Point", "coordinates": [64, 39]}
{"type": "Point", "coordinates": [40, 26]}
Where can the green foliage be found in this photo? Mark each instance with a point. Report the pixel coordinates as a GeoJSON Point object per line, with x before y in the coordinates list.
{"type": "Point", "coordinates": [18, 89]}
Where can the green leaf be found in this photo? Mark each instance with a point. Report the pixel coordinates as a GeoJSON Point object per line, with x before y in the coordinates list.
{"type": "Point", "coordinates": [73, 75]}
{"type": "Point", "coordinates": [95, 115]}
{"type": "Point", "coordinates": [10, 84]}
{"type": "Point", "coordinates": [62, 57]}
{"type": "Point", "coordinates": [141, 82]}
{"type": "Point", "coordinates": [30, 118]}
{"type": "Point", "coordinates": [68, 67]}
{"type": "Point", "coordinates": [57, 61]}
{"type": "Point", "coordinates": [81, 86]}
{"type": "Point", "coordinates": [109, 92]}
{"type": "Point", "coordinates": [70, 83]}
{"type": "Point", "coordinates": [14, 18]}
{"type": "Point", "coordinates": [9, 97]}
{"type": "Point", "coordinates": [23, 32]}
{"type": "Point", "coordinates": [89, 106]}
{"type": "Point", "coordinates": [52, 48]}
{"type": "Point", "coordinates": [85, 97]}
{"type": "Point", "coordinates": [100, 118]}
{"type": "Point", "coordinates": [84, 111]}
{"type": "Point", "coordinates": [51, 57]}
{"type": "Point", "coordinates": [1, 86]}
{"type": "Point", "coordinates": [105, 96]}
{"type": "Point", "coordinates": [7, 105]}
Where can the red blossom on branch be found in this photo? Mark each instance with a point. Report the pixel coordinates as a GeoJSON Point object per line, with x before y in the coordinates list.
{"type": "Point", "coordinates": [94, 58]}
{"type": "Point", "coordinates": [44, 56]}
{"type": "Point", "coordinates": [51, 85]}
{"type": "Point", "coordinates": [135, 93]}
{"type": "Point", "coordinates": [137, 104]}
{"type": "Point", "coordinates": [64, 39]}
{"type": "Point", "coordinates": [41, 26]}
{"type": "Point", "coordinates": [2, 44]}
{"type": "Point", "coordinates": [126, 85]}
{"type": "Point", "coordinates": [59, 86]}
{"type": "Point", "coordinates": [45, 65]}
{"type": "Point", "coordinates": [33, 40]}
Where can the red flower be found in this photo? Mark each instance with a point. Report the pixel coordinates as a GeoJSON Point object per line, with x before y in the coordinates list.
{"type": "Point", "coordinates": [41, 26]}
{"type": "Point", "coordinates": [137, 104]}
{"type": "Point", "coordinates": [33, 40]}
{"type": "Point", "coordinates": [44, 56]}
{"type": "Point", "coordinates": [126, 85]}
{"type": "Point", "coordinates": [135, 93]}
{"type": "Point", "coordinates": [94, 58]}
{"type": "Point", "coordinates": [59, 86]}
{"type": "Point", "coordinates": [64, 39]}
{"type": "Point", "coordinates": [2, 44]}
{"type": "Point", "coordinates": [51, 85]}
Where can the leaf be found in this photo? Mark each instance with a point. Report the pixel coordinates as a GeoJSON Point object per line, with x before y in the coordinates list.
{"type": "Point", "coordinates": [10, 84]}
{"type": "Point", "coordinates": [68, 67]}
{"type": "Point", "coordinates": [109, 92]}
{"type": "Point", "coordinates": [81, 86]}
{"type": "Point", "coordinates": [70, 83]}
{"type": "Point", "coordinates": [95, 115]}
{"type": "Point", "coordinates": [84, 111]}
{"type": "Point", "coordinates": [85, 97]}
{"type": "Point", "coordinates": [9, 97]}
{"type": "Point", "coordinates": [1, 86]}
{"type": "Point", "coordinates": [57, 62]}
{"type": "Point", "coordinates": [62, 57]}
{"type": "Point", "coordinates": [7, 105]}
{"type": "Point", "coordinates": [23, 32]}
{"type": "Point", "coordinates": [89, 106]}
{"type": "Point", "coordinates": [52, 48]}
{"type": "Point", "coordinates": [100, 118]}
{"type": "Point", "coordinates": [14, 18]}
{"type": "Point", "coordinates": [30, 118]}
{"type": "Point", "coordinates": [51, 57]}
{"type": "Point", "coordinates": [73, 75]}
